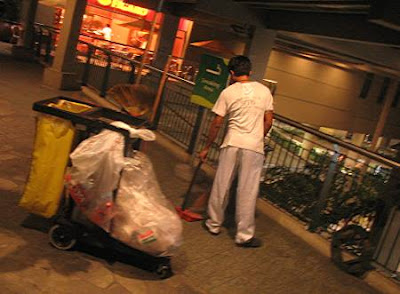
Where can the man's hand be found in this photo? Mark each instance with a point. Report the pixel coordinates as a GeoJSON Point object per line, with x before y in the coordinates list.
{"type": "Point", "coordinates": [212, 134]}
{"type": "Point", "coordinates": [203, 154]}
{"type": "Point", "coordinates": [268, 118]}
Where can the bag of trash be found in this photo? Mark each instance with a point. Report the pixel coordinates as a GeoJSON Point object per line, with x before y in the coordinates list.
{"type": "Point", "coordinates": [96, 166]}
{"type": "Point", "coordinates": [97, 163]}
{"type": "Point", "coordinates": [144, 219]}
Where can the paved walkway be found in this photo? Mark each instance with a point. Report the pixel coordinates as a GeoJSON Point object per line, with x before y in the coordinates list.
{"type": "Point", "coordinates": [204, 264]}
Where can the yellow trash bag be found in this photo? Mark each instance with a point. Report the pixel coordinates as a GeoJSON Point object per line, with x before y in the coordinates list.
{"type": "Point", "coordinates": [52, 146]}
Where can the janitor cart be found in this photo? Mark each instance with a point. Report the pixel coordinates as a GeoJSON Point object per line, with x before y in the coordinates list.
{"type": "Point", "coordinates": [69, 226]}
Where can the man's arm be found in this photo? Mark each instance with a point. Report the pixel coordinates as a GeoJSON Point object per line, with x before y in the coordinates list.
{"type": "Point", "coordinates": [215, 126]}
{"type": "Point", "coordinates": [268, 118]}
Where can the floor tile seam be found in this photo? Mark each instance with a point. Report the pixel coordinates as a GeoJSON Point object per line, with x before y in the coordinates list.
{"type": "Point", "coordinates": [224, 282]}
{"type": "Point", "coordinates": [202, 287]}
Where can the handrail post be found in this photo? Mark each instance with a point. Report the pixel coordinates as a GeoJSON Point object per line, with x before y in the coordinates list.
{"type": "Point", "coordinates": [48, 47]}
{"type": "Point", "coordinates": [85, 76]}
{"type": "Point", "coordinates": [34, 36]}
{"type": "Point", "coordinates": [106, 77]}
{"type": "Point", "coordinates": [324, 193]}
{"type": "Point", "coordinates": [131, 79]}
{"type": "Point", "coordinates": [196, 133]}
{"type": "Point", "coordinates": [39, 45]}
{"type": "Point", "coordinates": [156, 106]}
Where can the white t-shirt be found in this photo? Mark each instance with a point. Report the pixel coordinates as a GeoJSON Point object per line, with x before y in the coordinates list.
{"type": "Point", "coordinates": [107, 33]}
{"type": "Point", "coordinates": [245, 104]}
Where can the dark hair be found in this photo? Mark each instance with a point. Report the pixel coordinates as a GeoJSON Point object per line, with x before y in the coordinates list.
{"type": "Point", "coordinates": [240, 65]}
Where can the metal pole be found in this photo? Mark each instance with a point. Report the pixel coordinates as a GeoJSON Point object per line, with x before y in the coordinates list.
{"type": "Point", "coordinates": [160, 90]}
{"type": "Point", "coordinates": [197, 130]}
{"type": "Point", "coordinates": [132, 73]}
{"type": "Point", "coordinates": [85, 76]}
{"type": "Point", "coordinates": [146, 52]}
{"type": "Point", "coordinates": [48, 46]}
{"type": "Point", "coordinates": [106, 76]}
{"type": "Point", "coordinates": [324, 193]}
{"type": "Point", "coordinates": [39, 45]}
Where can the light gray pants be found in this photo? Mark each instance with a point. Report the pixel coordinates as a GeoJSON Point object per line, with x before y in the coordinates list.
{"type": "Point", "coordinates": [249, 166]}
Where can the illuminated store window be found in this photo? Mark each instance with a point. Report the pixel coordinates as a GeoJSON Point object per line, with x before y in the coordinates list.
{"type": "Point", "coordinates": [366, 86]}
{"type": "Point", "coordinates": [385, 86]}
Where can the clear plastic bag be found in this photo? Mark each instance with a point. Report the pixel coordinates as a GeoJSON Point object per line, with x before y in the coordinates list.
{"type": "Point", "coordinates": [140, 214]}
{"type": "Point", "coordinates": [144, 219]}
{"type": "Point", "coordinates": [96, 166]}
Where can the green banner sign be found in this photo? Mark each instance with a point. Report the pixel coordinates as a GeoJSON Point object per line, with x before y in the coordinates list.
{"type": "Point", "coordinates": [210, 81]}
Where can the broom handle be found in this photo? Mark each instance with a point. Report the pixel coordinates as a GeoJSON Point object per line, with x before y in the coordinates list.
{"type": "Point", "coordinates": [186, 199]}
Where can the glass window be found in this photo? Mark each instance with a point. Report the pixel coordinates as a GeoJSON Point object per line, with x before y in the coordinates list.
{"type": "Point", "coordinates": [385, 86]}
{"type": "Point", "coordinates": [366, 86]}
{"type": "Point", "coordinates": [397, 96]}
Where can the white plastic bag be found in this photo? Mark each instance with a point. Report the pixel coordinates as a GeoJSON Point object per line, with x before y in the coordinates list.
{"type": "Point", "coordinates": [97, 163]}
{"type": "Point", "coordinates": [141, 215]}
{"type": "Point", "coordinates": [144, 134]}
{"type": "Point", "coordinates": [144, 219]}
{"type": "Point", "coordinates": [96, 166]}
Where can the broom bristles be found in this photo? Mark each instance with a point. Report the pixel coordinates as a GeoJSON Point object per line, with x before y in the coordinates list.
{"type": "Point", "coordinates": [188, 215]}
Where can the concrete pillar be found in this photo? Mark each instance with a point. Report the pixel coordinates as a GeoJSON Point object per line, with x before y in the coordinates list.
{"type": "Point", "coordinates": [27, 19]}
{"type": "Point", "coordinates": [258, 50]}
{"type": "Point", "coordinates": [166, 40]}
{"type": "Point", "coordinates": [23, 49]}
{"type": "Point", "coordinates": [62, 74]}
{"type": "Point", "coordinates": [384, 114]}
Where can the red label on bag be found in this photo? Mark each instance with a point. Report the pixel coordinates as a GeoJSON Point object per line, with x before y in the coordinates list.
{"type": "Point", "coordinates": [145, 236]}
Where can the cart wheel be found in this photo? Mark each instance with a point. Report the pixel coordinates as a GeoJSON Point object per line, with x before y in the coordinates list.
{"type": "Point", "coordinates": [164, 271]}
{"type": "Point", "coordinates": [62, 237]}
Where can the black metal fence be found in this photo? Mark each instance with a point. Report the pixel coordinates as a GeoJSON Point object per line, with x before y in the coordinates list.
{"type": "Point", "coordinates": [43, 42]}
{"type": "Point", "coordinates": [324, 181]}
{"type": "Point", "coordinates": [102, 69]}
{"type": "Point", "coordinates": [98, 67]}
{"type": "Point", "coordinates": [329, 185]}
{"type": "Point", "coordinates": [179, 118]}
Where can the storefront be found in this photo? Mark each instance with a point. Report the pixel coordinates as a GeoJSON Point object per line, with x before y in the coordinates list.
{"type": "Point", "coordinates": [125, 28]}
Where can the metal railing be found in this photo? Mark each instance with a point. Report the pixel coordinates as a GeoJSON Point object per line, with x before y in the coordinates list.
{"type": "Point", "coordinates": [102, 69]}
{"type": "Point", "coordinates": [98, 67]}
{"type": "Point", "coordinates": [324, 181]}
{"type": "Point", "coordinates": [329, 184]}
{"type": "Point", "coordinates": [43, 42]}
